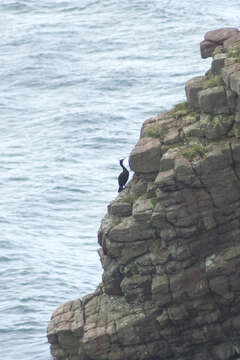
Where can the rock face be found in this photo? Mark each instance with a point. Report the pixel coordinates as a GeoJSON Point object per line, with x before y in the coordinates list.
{"type": "Point", "coordinates": [226, 37]}
{"type": "Point", "coordinates": [170, 243]}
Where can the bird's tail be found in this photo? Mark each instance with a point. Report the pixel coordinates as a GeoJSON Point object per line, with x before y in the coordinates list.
{"type": "Point", "coordinates": [120, 188]}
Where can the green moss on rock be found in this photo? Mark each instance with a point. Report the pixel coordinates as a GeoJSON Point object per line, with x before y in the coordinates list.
{"type": "Point", "coordinates": [212, 81]}
{"type": "Point", "coordinates": [216, 127]}
{"type": "Point", "coordinates": [186, 113]}
{"type": "Point", "coordinates": [154, 201]}
{"type": "Point", "coordinates": [194, 150]}
{"type": "Point", "coordinates": [234, 53]}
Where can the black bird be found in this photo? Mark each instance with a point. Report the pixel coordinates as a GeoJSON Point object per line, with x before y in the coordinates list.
{"type": "Point", "coordinates": [123, 177]}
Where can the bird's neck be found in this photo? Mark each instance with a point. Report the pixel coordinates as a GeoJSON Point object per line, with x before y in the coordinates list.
{"type": "Point", "coordinates": [123, 166]}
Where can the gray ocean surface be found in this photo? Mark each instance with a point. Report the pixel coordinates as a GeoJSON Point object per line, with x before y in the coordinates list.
{"type": "Point", "coordinates": [78, 78]}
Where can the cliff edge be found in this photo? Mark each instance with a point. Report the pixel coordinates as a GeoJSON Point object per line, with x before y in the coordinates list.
{"type": "Point", "coordinates": [170, 243]}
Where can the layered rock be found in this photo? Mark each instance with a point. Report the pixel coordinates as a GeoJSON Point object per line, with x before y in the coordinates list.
{"type": "Point", "coordinates": [170, 243]}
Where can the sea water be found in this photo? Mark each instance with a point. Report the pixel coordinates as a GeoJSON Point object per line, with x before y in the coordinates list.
{"type": "Point", "coordinates": [78, 78]}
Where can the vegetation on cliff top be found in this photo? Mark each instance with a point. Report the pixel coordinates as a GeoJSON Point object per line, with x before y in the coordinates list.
{"type": "Point", "coordinates": [182, 111]}
{"type": "Point", "coordinates": [186, 112]}
{"type": "Point", "coordinates": [234, 53]}
{"type": "Point", "coordinates": [155, 130]}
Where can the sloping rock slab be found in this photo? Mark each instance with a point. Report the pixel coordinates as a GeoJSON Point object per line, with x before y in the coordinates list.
{"type": "Point", "coordinates": [145, 157]}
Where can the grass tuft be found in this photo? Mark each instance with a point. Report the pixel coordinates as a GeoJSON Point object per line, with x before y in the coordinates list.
{"type": "Point", "coordinates": [212, 81]}
{"type": "Point", "coordinates": [182, 109]}
{"type": "Point", "coordinates": [186, 113]}
{"type": "Point", "coordinates": [234, 53]}
{"type": "Point", "coordinates": [155, 130]}
{"type": "Point", "coordinates": [154, 201]}
{"type": "Point", "coordinates": [194, 150]}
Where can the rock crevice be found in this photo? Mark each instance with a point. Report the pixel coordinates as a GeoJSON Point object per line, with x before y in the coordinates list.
{"type": "Point", "coordinates": [170, 242]}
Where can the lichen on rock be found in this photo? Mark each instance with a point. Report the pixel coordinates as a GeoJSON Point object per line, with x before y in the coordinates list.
{"type": "Point", "coordinates": [170, 242]}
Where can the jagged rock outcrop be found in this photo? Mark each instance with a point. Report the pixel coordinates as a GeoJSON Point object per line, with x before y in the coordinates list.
{"type": "Point", "coordinates": [170, 243]}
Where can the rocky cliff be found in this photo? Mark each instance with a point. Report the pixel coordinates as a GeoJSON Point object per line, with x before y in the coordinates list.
{"type": "Point", "coordinates": [170, 243]}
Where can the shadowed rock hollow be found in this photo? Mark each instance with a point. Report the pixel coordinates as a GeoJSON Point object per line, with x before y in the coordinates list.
{"type": "Point", "coordinates": [170, 243]}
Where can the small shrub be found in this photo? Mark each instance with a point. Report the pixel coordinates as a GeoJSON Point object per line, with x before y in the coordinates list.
{"type": "Point", "coordinates": [186, 113]}
{"type": "Point", "coordinates": [154, 201]}
{"type": "Point", "coordinates": [194, 150]}
{"type": "Point", "coordinates": [155, 130]}
{"type": "Point", "coordinates": [181, 109]}
{"type": "Point", "coordinates": [204, 275]}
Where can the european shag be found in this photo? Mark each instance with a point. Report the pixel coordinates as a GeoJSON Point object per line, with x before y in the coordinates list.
{"type": "Point", "coordinates": [123, 177]}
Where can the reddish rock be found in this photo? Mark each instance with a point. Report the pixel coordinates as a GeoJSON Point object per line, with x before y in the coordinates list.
{"type": "Point", "coordinates": [214, 38]}
{"type": "Point", "coordinates": [220, 35]}
{"type": "Point", "coordinates": [232, 41]}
